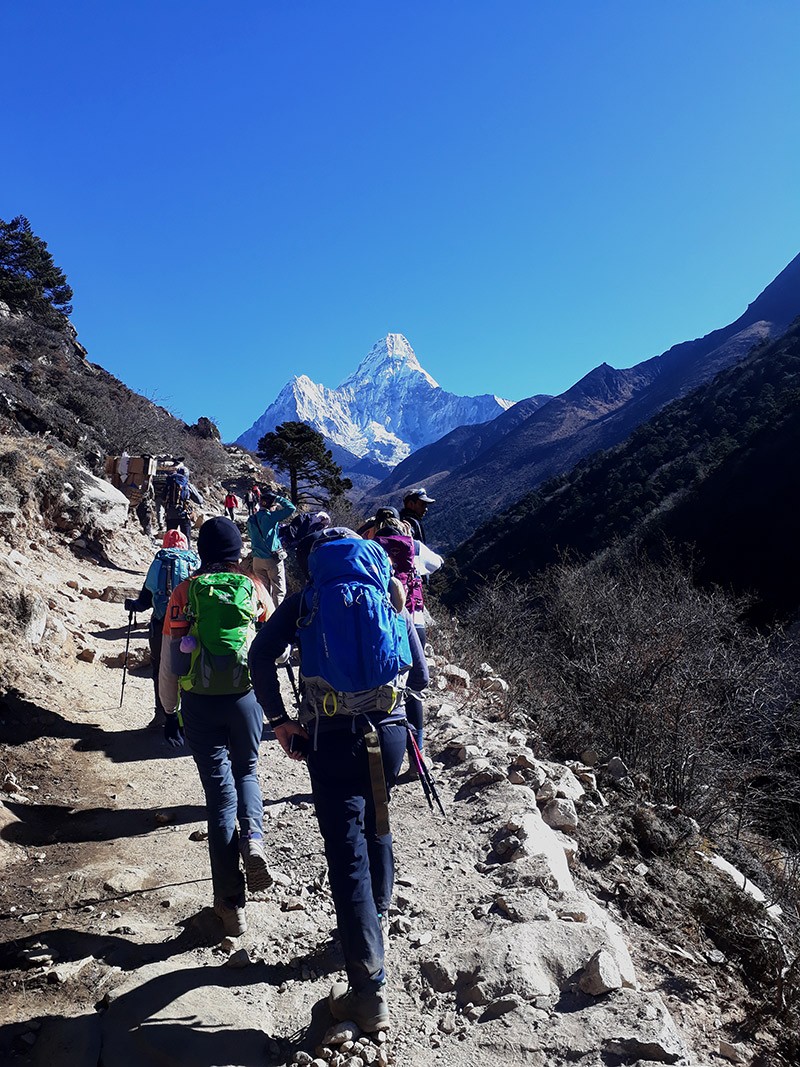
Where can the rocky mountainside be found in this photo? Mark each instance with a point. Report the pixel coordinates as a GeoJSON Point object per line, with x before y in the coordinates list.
{"type": "Point", "coordinates": [709, 471]}
{"type": "Point", "coordinates": [387, 409]}
{"type": "Point", "coordinates": [596, 413]}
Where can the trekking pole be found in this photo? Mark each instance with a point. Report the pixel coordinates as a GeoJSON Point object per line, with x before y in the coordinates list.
{"type": "Point", "coordinates": [428, 784]}
{"type": "Point", "coordinates": [295, 690]}
{"type": "Point", "coordinates": [125, 662]}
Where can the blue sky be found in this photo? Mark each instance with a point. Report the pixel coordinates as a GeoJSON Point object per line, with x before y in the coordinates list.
{"type": "Point", "coordinates": [241, 192]}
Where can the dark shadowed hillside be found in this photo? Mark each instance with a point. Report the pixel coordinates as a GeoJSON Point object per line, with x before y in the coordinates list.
{"type": "Point", "coordinates": [48, 387]}
{"type": "Point", "coordinates": [716, 470]}
{"type": "Point", "coordinates": [598, 412]}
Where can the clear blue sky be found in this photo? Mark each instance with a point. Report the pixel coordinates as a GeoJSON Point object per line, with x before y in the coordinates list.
{"type": "Point", "coordinates": [245, 191]}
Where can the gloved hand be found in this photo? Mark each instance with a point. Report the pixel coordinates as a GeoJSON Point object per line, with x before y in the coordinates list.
{"type": "Point", "coordinates": [173, 731]}
{"type": "Point", "coordinates": [132, 605]}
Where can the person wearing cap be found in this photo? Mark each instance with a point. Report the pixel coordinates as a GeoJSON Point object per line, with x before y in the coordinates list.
{"type": "Point", "coordinates": [268, 553]}
{"type": "Point", "coordinates": [415, 504]}
{"type": "Point", "coordinates": [223, 733]}
{"type": "Point", "coordinates": [152, 595]}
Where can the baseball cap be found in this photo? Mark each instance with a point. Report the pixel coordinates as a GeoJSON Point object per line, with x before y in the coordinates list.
{"type": "Point", "coordinates": [419, 494]}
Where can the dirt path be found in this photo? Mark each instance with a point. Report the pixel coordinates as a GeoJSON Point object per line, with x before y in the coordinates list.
{"type": "Point", "coordinates": [110, 949]}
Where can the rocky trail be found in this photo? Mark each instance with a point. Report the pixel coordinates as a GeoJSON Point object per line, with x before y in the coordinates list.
{"type": "Point", "coordinates": [504, 946]}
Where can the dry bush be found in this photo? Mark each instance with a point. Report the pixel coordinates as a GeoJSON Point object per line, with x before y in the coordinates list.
{"type": "Point", "coordinates": [629, 657]}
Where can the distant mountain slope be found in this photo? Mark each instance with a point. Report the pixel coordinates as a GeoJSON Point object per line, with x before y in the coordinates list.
{"type": "Point", "coordinates": [598, 412]}
{"type": "Point", "coordinates": [430, 464]}
{"type": "Point", "coordinates": [717, 469]}
{"type": "Point", "coordinates": [389, 407]}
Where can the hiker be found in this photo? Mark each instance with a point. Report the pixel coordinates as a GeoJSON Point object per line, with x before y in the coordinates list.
{"type": "Point", "coordinates": [268, 553]}
{"type": "Point", "coordinates": [356, 654]}
{"type": "Point", "coordinates": [231, 504]}
{"type": "Point", "coordinates": [208, 628]}
{"type": "Point", "coordinates": [179, 493]}
{"type": "Point", "coordinates": [292, 533]}
{"type": "Point", "coordinates": [391, 533]}
{"type": "Point", "coordinates": [173, 562]}
{"type": "Point", "coordinates": [251, 501]}
{"type": "Point", "coordinates": [415, 504]}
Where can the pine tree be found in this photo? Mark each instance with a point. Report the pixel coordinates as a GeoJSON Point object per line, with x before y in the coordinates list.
{"type": "Point", "coordinates": [29, 279]}
{"type": "Point", "coordinates": [299, 450]}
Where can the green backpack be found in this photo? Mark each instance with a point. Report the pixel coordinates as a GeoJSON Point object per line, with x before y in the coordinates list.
{"type": "Point", "coordinates": [222, 609]}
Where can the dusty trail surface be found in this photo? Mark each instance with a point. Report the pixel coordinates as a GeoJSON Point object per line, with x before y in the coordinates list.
{"type": "Point", "coordinates": [111, 952]}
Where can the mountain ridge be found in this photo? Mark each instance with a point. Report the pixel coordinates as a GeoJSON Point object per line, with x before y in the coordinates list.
{"type": "Point", "coordinates": [382, 412]}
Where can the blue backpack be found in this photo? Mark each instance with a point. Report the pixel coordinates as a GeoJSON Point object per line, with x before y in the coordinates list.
{"type": "Point", "coordinates": [350, 636]}
{"type": "Point", "coordinates": [167, 571]}
{"type": "Point", "coordinates": [176, 491]}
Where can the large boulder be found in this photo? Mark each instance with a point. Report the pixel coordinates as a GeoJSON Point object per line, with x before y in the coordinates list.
{"type": "Point", "coordinates": [103, 508]}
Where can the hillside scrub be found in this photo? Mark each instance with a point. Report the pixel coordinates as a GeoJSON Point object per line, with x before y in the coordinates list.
{"type": "Point", "coordinates": [631, 658]}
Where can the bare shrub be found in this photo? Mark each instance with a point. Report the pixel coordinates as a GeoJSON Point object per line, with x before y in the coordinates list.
{"type": "Point", "coordinates": [631, 658]}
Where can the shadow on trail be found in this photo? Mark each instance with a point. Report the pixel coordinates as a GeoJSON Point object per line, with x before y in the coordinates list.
{"type": "Point", "coordinates": [48, 824]}
{"type": "Point", "coordinates": [22, 721]}
{"type": "Point", "coordinates": [190, 1015]}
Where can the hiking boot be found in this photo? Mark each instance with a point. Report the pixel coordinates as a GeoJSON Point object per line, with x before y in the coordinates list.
{"type": "Point", "coordinates": [234, 923]}
{"type": "Point", "coordinates": [256, 871]}
{"type": "Point", "coordinates": [368, 1010]}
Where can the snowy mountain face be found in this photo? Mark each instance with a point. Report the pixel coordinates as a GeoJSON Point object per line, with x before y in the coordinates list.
{"type": "Point", "coordinates": [384, 411]}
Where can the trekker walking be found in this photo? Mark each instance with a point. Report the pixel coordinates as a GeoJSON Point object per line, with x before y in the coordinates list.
{"type": "Point", "coordinates": [356, 654]}
{"type": "Point", "coordinates": [268, 553]}
{"type": "Point", "coordinates": [415, 504]}
{"type": "Point", "coordinates": [251, 501]}
{"type": "Point", "coordinates": [208, 628]}
{"type": "Point", "coordinates": [231, 504]}
{"type": "Point", "coordinates": [173, 562]}
{"type": "Point", "coordinates": [179, 494]}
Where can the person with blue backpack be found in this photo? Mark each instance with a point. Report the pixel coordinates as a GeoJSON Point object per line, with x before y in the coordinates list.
{"type": "Point", "coordinates": [174, 562]}
{"type": "Point", "coordinates": [209, 702]}
{"type": "Point", "coordinates": [358, 650]}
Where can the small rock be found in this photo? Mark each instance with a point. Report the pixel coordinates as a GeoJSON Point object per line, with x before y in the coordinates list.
{"type": "Point", "coordinates": [500, 1006]}
{"type": "Point", "coordinates": [440, 975]}
{"type": "Point", "coordinates": [589, 757]}
{"type": "Point", "coordinates": [546, 792]}
{"type": "Point", "coordinates": [340, 1033]}
{"type": "Point", "coordinates": [560, 814]}
{"type": "Point", "coordinates": [641, 869]}
{"type": "Point", "coordinates": [456, 676]}
{"type": "Point", "coordinates": [240, 958]}
{"type": "Point", "coordinates": [601, 974]}
{"type": "Point", "coordinates": [302, 1058]}
{"type": "Point", "coordinates": [616, 768]}
{"type": "Point", "coordinates": [447, 1024]}
{"type": "Point", "coordinates": [202, 835]}
{"type": "Point", "coordinates": [420, 939]}
{"type": "Point", "coordinates": [734, 1053]}
{"type": "Point", "coordinates": [87, 654]}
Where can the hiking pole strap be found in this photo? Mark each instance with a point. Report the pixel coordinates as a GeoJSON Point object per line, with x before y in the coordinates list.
{"type": "Point", "coordinates": [380, 796]}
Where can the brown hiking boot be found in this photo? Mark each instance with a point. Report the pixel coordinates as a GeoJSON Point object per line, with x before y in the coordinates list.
{"type": "Point", "coordinates": [233, 921]}
{"type": "Point", "coordinates": [368, 1010]}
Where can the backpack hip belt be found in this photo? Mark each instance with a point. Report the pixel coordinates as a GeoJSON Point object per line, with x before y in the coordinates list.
{"type": "Point", "coordinates": [320, 700]}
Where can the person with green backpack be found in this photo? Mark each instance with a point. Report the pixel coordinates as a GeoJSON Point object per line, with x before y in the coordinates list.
{"type": "Point", "coordinates": [209, 702]}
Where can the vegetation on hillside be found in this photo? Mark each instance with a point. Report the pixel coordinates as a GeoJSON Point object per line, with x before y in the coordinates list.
{"type": "Point", "coordinates": [711, 469]}
{"type": "Point", "coordinates": [29, 279]}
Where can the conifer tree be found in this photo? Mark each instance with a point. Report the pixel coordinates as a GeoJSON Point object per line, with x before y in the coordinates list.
{"type": "Point", "coordinates": [299, 450]}
{"type": "Point", "coordinates": [29, 279]}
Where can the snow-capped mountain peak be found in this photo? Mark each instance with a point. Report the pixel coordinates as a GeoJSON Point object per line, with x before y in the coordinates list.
{"type": "Point", "coordinates": [388, 408]}
{"type": "Point", "coordinates": [388, 358]}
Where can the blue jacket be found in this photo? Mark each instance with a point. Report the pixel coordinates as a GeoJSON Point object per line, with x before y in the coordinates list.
{"type": "Point", "coordinates": [263, 528]}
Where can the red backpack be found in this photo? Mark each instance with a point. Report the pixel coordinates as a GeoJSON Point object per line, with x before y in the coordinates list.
{"type": "Point", "coordinates": [400, 551]}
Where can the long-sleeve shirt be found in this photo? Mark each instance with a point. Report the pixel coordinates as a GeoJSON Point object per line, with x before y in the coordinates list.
{"type": "Point", "coordinates": [263, 527]}
{"type": "Point", "coordinates": [279, 631]}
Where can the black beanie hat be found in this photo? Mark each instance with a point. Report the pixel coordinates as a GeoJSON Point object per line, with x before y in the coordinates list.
{"type": "Point", "coordinates": [219, 541]}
